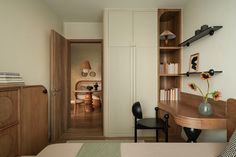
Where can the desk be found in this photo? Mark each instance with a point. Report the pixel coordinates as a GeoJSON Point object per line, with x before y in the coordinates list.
{"type": "Point", "coordinates": [187, 116]}
{"type": "Point", "coordinates": [88, 100]}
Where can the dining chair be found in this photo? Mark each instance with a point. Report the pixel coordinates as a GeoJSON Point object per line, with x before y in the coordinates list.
{"type": "Point", "coordinates": [149, 123]}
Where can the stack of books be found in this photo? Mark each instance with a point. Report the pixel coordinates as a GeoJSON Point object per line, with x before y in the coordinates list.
{"type": "Point", "coordinates": [169, 94]}
{"type": "Point", "coordinates": [169, 68]}
{"type": "Point", "coordinates": [11, 78]}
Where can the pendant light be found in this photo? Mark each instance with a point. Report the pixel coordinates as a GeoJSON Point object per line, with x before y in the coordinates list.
{"type": "Point", "coordinates": [167, 35]}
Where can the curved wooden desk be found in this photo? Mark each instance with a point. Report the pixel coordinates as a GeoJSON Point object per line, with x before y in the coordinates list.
{"type": "Point", "coordinates": [185, 114]}
{"type": "Point", "coordinates": [188, 116]}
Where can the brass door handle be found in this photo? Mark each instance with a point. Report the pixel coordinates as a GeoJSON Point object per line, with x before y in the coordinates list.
{"type": "Point", "coordinates": [54, 91]}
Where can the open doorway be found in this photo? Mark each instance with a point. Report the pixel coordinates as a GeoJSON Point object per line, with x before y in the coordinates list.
{"type": "Point", "coordinates": [86, 108]}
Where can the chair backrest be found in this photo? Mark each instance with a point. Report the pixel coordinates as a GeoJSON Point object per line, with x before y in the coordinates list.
{"type": "Point", "coordinates": [82, 85]}
{"type": "Point", "coordinates": [137, 110]}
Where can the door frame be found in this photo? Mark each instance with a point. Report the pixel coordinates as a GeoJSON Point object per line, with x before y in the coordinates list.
{"type": "Point", "coordinates": [70, 133]}
{"type": "Point", "coordinates": [59, 125]}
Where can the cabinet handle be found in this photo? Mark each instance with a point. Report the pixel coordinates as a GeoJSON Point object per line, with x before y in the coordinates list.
{"type": "Point", "coordinates": [45, 91]}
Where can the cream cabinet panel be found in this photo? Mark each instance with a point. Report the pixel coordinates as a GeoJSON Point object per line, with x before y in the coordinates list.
{"type": "Point", "coordinates": [130, 67]}
{"type": "Point", "coordinates": [145, 28]}
{"type": "Point", "coordinates": [146, 79]}
{"type": "Point", "coordinates": [120, 91]}
{"type": "Point", "coordinates": [120, 27]}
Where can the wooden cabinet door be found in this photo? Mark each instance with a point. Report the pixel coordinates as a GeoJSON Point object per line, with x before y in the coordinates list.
{"type": "Point", "coordinates": [9, 142]}
{"type": "Point", "coordinates": [34, 120]}
{"type": "Point", "coordinates": [9, 104]}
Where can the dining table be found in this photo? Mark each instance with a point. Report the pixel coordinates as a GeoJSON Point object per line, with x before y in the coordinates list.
{"type": "Point", "coordinates": [88, 98]}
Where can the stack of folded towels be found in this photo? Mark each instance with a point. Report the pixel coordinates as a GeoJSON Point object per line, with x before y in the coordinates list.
{"type": "Point", "coordinates": [11, 78]}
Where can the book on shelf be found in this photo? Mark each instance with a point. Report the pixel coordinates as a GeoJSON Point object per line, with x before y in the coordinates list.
{"type": "Point", "coordinates": [169, 68]}
{"type": "Point", "coordinates": [169, 94]}
{"type": "Point", "coordinates": [9, 74]}
{"type": "Point", "coordinates": [12, 84]}
{"type": "Point", "coordinates": [11, 81]}
{"type": "Point", "coordinates": [11, 78]}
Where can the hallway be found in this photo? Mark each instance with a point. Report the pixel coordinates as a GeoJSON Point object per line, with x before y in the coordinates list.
{"type": "Point", "coordinates": [86, 124]}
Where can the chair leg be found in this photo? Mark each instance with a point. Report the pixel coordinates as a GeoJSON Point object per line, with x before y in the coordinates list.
{"type": "Point", "coordinates": [166, 134]}
{"type": "Point", "coordinates": [166, 117]}
{"type": "Point", "coordinates": [157, 135]}
{"type": "Point", "coordinates": [135, 135]}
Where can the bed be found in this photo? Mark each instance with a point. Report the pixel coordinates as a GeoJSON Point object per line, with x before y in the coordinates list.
{"type": "Point", "coordinates": [143, 150]}
{"type": "Point", "coordinates": [153, 149]}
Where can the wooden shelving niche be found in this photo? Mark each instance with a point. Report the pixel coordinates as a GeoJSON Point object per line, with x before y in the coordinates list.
{"type": "Point", "coordinates": [169, 59]}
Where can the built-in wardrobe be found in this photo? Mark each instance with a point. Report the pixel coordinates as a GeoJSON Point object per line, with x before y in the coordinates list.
{"type": "Point", "coordinates": [130, 67]}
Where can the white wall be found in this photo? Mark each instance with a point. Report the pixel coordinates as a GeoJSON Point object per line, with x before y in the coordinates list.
{"type": "Point", "coordinates": [217, 52]}
{"type": "Point", "coordinates": [83, 30]}
{"type": "Point", "coordinates": [25, 39]}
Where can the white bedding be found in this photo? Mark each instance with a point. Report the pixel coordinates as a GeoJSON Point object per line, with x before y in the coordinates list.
{"type": "Point", "coordinates": [143, 150]}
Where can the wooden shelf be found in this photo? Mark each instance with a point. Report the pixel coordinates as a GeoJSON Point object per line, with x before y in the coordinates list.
{"type": "Point", "coordinates": [169, 75]}
{"type": "Point", "coordinates": [170, 48]}
{"type": "Point", "coordinates": [192, 73]}
{"type": "Point", "coordinates": [169, 19]}
{"type": "Point", "coordinates": [211, 72]}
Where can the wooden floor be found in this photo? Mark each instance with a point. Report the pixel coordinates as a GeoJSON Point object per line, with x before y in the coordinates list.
{"type": "Point", "coordinates": [89, 126]}
{"type": "Point", "coordinates": [86, 124]}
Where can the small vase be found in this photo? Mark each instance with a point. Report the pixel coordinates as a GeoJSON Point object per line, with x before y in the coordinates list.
{"type": "Point", "coordinates": [205, 109]}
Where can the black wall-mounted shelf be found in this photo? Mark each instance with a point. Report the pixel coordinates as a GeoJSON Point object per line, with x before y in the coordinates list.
{"type": "Point", "coordinates": [201, 33]}
{"type": "Point", "coordinates": [212, 72]}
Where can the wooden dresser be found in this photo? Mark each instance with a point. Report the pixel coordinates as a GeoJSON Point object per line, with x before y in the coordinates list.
{"type": "Point", "coordinates": [23, 120]}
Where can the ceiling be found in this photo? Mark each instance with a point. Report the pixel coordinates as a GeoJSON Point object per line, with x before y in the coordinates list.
{"type": "Point", "coordinates": [91, 10]}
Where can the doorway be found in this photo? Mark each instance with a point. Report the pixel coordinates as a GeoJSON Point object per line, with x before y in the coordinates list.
{"type": "Point", "coordinates": [86, 108]}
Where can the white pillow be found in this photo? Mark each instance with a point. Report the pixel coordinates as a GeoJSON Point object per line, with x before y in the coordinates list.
{"type": "Point", "coordinates": [230, 149]}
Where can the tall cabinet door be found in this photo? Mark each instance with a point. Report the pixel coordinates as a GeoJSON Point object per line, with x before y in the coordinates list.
{"type": "Point", "coordinates": [145, 67]}
{"type": "Point", "coordinates": [120, 28]}
{"type": "Point", "coordinates": [130, 67]}
{"type": "Point", "coordinates": [120, 91]}
{"type": "Point", "coordinates": [146, 79]}
{"type": "Point", "coordinates": [145, 28]}
{"type": "Point", "coordinates": [118, 72]}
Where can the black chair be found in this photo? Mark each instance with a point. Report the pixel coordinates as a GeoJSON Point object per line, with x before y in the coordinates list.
{"type": "Point", "coordinates": [149, 123]}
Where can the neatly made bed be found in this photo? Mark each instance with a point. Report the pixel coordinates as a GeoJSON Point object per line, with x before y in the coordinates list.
{"type": "Point", "coordinates": [143, 150]}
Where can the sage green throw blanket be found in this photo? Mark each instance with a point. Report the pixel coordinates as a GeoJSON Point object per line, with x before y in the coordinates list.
{"type": "Point", "coordinates": [99, 150]}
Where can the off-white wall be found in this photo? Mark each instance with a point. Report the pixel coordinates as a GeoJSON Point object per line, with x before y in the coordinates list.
{"type": "Point", "coordinates": [83, 30]}
{"type": "Point", "coordinates": [217, 52]}
{"type": "Point", "coordinates": [81, 52]}
{"type": "Point", "coordinates": [25, 39]}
